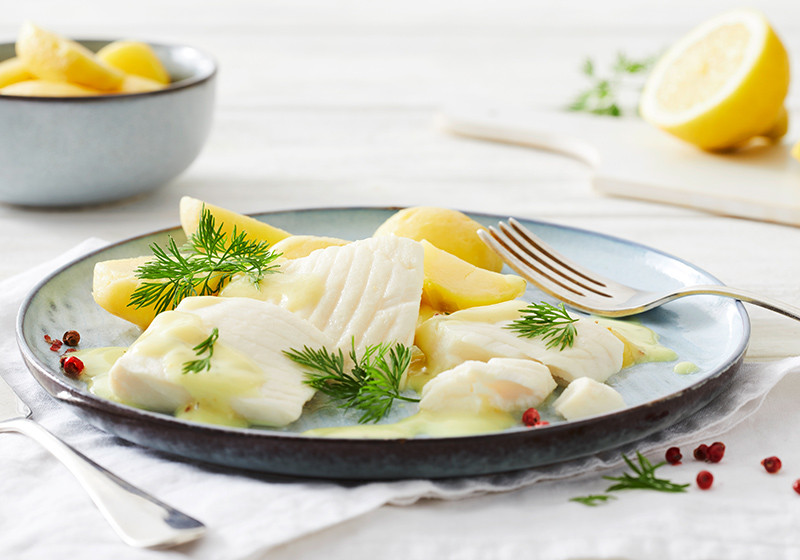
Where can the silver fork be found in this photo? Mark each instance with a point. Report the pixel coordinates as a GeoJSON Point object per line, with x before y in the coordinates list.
{"type": "Point", "coordinates": [588, 291]}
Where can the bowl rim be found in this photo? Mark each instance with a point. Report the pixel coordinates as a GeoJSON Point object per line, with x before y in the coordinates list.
{"type": "Point", "coordinates": [200, 78]}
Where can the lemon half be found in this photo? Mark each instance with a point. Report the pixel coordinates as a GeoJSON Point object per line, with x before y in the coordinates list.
{"type": "Point", "coordinates": [722, 84]}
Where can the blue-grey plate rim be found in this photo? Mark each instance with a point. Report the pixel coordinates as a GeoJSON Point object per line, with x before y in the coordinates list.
{"type": "Point", "coordinates": [297, 455]}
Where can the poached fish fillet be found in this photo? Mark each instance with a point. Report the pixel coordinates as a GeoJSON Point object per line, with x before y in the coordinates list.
{"type": "Point", "coordinates": [249, 377]}
{"type": "Point", "coordinates": [481, 333]}
{"type": "Point", "coordinates": [367, 291]}
{"type": "Point", "coordinates": [502, 384]}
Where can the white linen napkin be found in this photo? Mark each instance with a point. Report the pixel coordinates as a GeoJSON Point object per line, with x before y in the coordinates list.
{"type": "Point", "coordinates": [45, 514]}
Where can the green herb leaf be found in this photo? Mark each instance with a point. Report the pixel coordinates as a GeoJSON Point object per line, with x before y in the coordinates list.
{"type": "Point", "coordinates": [371, 385]}
{"type": "Point", "coordinates": [625, 65]}
{"type": "Point", "coordinates": [643, 478]}
{"type": "Point", "coordinates": [203, 363]}
{"type": "Point", "coordinates": [551, 323]}
{"type": "Point", "coordinates": [201, 266]}
{"type": "Point", "coordinates": [602, 97]}
{"type": "Point", "coordinates": [593, 499]}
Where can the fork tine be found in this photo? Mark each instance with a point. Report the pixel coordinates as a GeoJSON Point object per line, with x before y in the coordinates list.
{"type": "Point", "coordinates": [520, 261]}
{"type": "Point", "coordinates": [509, 252]}
{"type": "Point", "coordinates": [581, 279]}
{"type": "Point", "coordinates": [556, 258]}
{"type": "Point", "coordinates": [544, 266]}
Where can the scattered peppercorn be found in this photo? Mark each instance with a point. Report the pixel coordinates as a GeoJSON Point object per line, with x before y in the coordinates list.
{"type": "Point", "coordinates": [796, 486]}
{"type": "Point", "coordinates": [674, 456]}
{"type": "Point", "coordinates": [73, 367]}
{"type": "Point", "coordinates": [701, 452]}
{"type": "Point", "coordinates": [772, 464]}
{"type": "Point", "coordinates": [531, 417]}
{"type": "Point", "coordinates": [704, 480]}
{"type": "Point", "coordinates": [715, 452]}
{"type": "Point", "coordinates": [71, 338]}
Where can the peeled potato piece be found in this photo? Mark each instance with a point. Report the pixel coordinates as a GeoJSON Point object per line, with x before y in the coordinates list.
{"type": "Point", "coordinates": [191, 209]}
{"type": "Point", "coordinates": [446, 229]}
{"type": "Point", "coordinates": [452, 284]}
{"type": "Point", "coordinates": [13, 70]}
{"type": "Point", "coordinates": [51, 57]}
{"type": "Point", "coordinates": [137, 84]}
{"type": "Point", "coordinates": [134, 58]}
{"type": "Point", "coordinates": [46, 88]}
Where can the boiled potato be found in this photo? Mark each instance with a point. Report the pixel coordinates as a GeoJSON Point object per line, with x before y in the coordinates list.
{"type": "Point", "coordinates": [54, 58]}
{"type": "Point", "coordinates": [46, 88]}
{"type": "Point", "coordinates": [136, 59]}
{"type": "Point", "coordinates": [451, 284]}
{"type": "Point", "coordinates": [113, 283]}
{"type": "Point", "coordinates": [297, 246]}
{"type": "Point", "coordinates": [137, 84]}
{"type": "Point", "coordinates": [191, 208]}
{"type": "Point", "coordinates": [13, 70]}
{"type": "Point", "coordinates": [449, 230]}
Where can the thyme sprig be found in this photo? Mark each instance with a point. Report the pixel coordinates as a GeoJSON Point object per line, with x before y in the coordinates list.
{"type": "Point", "coordinates": [201, 266]}
{"type": "Point", "coordinates": [551, 323]}
{"type": "Point", "coordinates": [371, 385]}
{"type": "Point", "coordinates": [203, 362]}
{"type": "Point", "coordinates": [603, 96]}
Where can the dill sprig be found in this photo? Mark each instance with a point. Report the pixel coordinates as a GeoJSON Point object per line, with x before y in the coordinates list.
{"type": "Point", "coordinates": [202, 363]}
{"type": "Point", "coordinates": [201, 266]}
{"type": "Point", "coordinates": [551, 323]}
{"type": "Point", "coordinates": [593, 500]}
{"type": "Point", "coordinates": [602, 97]}
{"type": "Point", "coordinates": [644, 479]}
{"type": "Point", "coordinates": [371, 385]}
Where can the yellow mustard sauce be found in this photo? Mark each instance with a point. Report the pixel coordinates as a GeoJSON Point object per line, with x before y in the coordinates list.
{"type": "Point", "coordinates": [231, 376]}
{"type": "Point", "coordinates": [425, 423]}
{"type": "Point", "coordinates": [97, 363]}
{"type": "Point", "coordinates": [685, 368]}
{"type": "Point", "coordinates": [641, 343]}
{"type": "Point", "coordinates": [293, 292]}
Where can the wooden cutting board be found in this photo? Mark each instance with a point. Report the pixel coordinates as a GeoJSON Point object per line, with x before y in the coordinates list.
{"type": "Point", "coordinates": [630, 158]}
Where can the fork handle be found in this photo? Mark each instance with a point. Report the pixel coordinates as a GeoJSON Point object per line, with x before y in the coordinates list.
{"type": "Point", "coordinates": [138, 518]}
{"type": "Point", "coordinates": [742, 295]}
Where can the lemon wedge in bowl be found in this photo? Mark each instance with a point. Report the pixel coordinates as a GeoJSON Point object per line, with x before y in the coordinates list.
{"type": "Point", "coordinates": [722, 84]}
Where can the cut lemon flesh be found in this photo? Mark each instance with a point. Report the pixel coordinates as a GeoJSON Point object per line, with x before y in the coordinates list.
{"type": "Point", "coordinates": [722, 84]}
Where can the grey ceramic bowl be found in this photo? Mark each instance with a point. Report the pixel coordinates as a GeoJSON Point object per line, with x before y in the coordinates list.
{"type": "Point", "coordinates": [71, 151]}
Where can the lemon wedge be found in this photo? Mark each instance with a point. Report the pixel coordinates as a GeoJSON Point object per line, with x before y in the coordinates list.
{"type": "Point", "coordinates": [51, 57]}
{"type": "Point", "coordinates": [722, 84]}
{"type": "Point", "coordinates": [796, 151]}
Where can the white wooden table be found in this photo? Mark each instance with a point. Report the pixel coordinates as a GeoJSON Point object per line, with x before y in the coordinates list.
{"type": "Point", "coordinates": [332, 104]}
